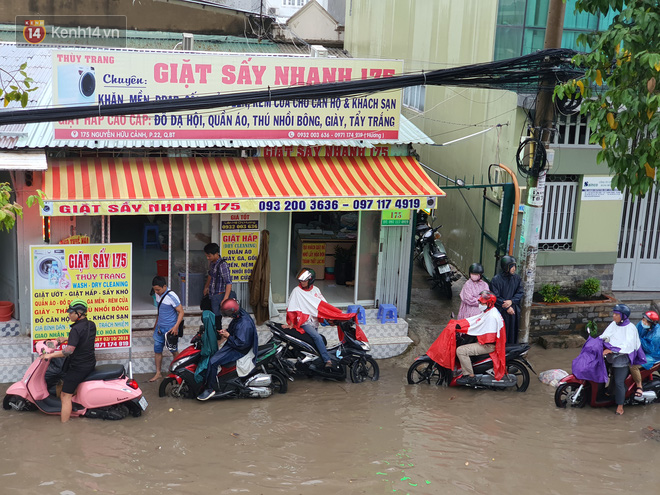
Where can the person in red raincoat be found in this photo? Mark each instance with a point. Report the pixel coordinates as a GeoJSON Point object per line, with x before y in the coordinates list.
{"type": "Point", "coordinates": [487, 327]}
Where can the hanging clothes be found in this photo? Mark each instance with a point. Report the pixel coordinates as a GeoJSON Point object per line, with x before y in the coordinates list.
{"type": "Point", "coordinates": [259, 281]}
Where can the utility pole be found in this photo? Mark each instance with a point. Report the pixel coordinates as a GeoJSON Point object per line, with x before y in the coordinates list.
{"type": "Point", "coordinates": [543, 123]}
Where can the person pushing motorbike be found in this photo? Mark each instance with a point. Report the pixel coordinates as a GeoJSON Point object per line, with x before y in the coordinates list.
{"type": "Point", "coordinates": [241, 338]}
{"type": "Point", "coordinates": [79, 350]}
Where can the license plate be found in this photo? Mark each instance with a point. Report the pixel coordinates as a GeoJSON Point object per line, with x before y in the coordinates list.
{"type": "Point", "coordinates": [444, 269]}
{"type": "Point", "coordinates": [143, 403]}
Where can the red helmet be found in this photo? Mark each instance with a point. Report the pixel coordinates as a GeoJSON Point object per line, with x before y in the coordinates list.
{"type": "Point", "coordinates": [652, 316]}
{"type": "Point", "coordinates": [230, 308]}
{"type": "Point", "coordinates": [487, 298]}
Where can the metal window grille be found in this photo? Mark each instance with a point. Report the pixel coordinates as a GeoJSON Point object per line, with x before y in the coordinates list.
{"type": "Point", "coordinates": [558, 213]}
{"type": "Point", "coordinates": [414, 96]}
{"type": "Point", "coordinates": [573, 130]}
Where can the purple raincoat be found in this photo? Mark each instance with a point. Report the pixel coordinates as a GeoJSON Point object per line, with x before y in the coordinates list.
{"type": "Point", "coordinates": [590, 364]}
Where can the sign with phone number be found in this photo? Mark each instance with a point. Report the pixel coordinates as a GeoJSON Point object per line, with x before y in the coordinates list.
{"type": "Point", "coordinates": [192, 206]}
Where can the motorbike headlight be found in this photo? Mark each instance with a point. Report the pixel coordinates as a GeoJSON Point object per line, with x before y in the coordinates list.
{"type": "Point", "coordinates": [365, 346]}
{"type": "Point", "coordinates": [181, 363]}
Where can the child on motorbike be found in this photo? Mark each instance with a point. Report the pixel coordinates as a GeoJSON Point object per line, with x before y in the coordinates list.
{"type": "Point", "coordinates": [649, 336]}
{"type": "Point", "coordinates": [625, 349]}
{"type": "Point", "coordinates": [471, 290]}
{"type": "Point", "coordinates": [79, 350]}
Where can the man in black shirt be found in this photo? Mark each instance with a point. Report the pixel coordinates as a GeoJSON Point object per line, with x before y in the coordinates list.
{"type": "Point", "coordinates": [79, 350]}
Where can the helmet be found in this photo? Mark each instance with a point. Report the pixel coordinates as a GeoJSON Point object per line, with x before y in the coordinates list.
{"type": "Point", "coordinates": [652, 316]}
{"type": "Point", "coordinates": [230, 308]}
{"type": "Point", "coordinates": [476, 268]}
{"type": "Point", "coordinates": [77, 305]}
{"type": "Point", "coordinates": [487, 298]}
{"type": "Point", "coordinates": [623, 309]}
{"type": "Point", "coordinates": [506, 262]}
{"type": "Point", "coordinates": [172, 341]}
{"type": "Point", "coordinates": [307, 274]}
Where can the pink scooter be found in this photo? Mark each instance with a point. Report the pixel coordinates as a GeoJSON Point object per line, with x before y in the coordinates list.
{"type": "Point", "coordinates": [107, 392]}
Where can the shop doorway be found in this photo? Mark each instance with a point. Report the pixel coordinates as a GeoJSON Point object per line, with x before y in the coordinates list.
{"type": "Point", "coordinates": [327, 243]}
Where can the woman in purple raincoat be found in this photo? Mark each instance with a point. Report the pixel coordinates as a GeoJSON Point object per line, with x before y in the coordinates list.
{"type": "Point", "coordinates": [470, 292]}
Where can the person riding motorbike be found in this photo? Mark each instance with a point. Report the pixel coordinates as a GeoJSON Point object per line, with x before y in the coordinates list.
{"type": "Point", "coordinates": [471, 290]}
{"type": "Point", "coordinates": [649, 336]}
{"type": "Point", "coordinates": [624, 349]}
{"type": "Point", "coordinates": [302, 312]}
{"type": "Point", "coordinates": [79, 350]}
{"type": "Point", "coordinates": [240, 339]}
{"type": "Point", "coordinates": [487, 327]}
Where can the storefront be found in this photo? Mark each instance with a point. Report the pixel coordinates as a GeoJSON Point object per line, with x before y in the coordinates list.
{"type": "Point", "coordinates": [342, 211]}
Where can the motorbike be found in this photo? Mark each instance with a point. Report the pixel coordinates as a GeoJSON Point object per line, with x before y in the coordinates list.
{"type": "Point", "coordinates": [432, 255]}
{"type": "Point", "coordinates": [261, 382]}
{"type": "Point", "coordinates": [424, 369]}
{"type": "Point", "coordinates": [574, 392]}
{"type": "Point", "coordinates": [301, 357]}
{"type": "Point", "coordinates": [106, 393]}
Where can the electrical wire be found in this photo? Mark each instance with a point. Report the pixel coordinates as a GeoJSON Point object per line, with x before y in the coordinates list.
{"type": "Point", "coordinates": [519, 73]}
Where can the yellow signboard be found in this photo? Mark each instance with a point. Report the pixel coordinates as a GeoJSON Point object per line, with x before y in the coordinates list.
{"type": "Point", "coordinates": [108, 78]}
{"type": "Point", "coordinates": [313, 253]}
{"type": "Point", "coordinates": [99, 274]}
{"type": "Point", "coordinates": [240, 249]}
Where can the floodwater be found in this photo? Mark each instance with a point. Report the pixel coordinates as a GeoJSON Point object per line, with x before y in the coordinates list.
{"type": "Point", "coordinates": [325, 438]}
{"type": "Point", "coordinates": [385, 437]}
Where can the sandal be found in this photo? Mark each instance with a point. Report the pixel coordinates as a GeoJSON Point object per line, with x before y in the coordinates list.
{"type": "Point", "coordinates": [328, 364]}
{"type": "Point", "coordinates": [639, 392]}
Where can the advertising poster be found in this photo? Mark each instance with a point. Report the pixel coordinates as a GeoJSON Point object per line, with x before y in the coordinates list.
{"type": "Point", "coordinates": [99, 274]}
{"type": "Point", "coordinates": [313, 253]}
{"type": "Point", "coordinates": [599, 189]}
{"type": "Point", "coordinates": [108, 78]}
{"type": "Point", "coordinates": [240, 243]}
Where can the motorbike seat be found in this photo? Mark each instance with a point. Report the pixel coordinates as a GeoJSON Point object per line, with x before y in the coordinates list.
{"type": "Point", "coordinates": [264, 349]}
{"type": "Point", "coordinates": [106, 372]}
{"type": "Point", "coordinates": [516, 348]}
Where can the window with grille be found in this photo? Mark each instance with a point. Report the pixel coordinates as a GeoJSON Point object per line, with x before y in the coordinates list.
{"type": "Point", "coordinates": [573, 130]}
{"type": "Point", "coordinates": [558, 219]}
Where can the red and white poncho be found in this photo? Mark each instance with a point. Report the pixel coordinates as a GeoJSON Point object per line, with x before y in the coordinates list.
{"type": "Point", "coordinates": [309, 306]}
{"type": "Point", "coordinates": [488, 327]}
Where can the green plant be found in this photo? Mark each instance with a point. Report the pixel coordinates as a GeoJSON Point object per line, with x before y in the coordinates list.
{"type": "Point", "coordinates": [10, 210]}
{"type": "Point", "coordinates": [589, 287]}
{"type": "Point", "coordinates": [550, 293]}
{"type": "Point", "coordinates": [592, 328]}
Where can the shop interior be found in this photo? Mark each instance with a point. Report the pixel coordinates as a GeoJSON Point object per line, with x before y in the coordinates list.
{"type": "Point", "coordinates": [327, 243]}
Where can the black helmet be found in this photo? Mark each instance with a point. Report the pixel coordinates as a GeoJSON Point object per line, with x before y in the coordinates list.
{"type": "Point", "coordinates": [172, 341]}
{"type": "Point", "coordinates": [623, 309]}
{"type": "Point", "coordinates": [307, 274]}
{"type": "Point", "coordinates": [230, 308]}
{"type": "Point", "coordinates": [506, 262]}
{"type": "Point", "coordinates": [476, 268]}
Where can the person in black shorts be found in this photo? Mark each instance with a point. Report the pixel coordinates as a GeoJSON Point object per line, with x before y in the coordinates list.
{"type": "Point", "coordinates": [79, 350]}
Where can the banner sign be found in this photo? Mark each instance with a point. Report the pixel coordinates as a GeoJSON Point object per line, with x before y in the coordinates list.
{"type": "Point", "coordinates": [187, 206]}
{"type": "Point", "coordinates": [313, 253]}
{"type": "Point", "coordinates": [395, 218]}
{"type": "Point", "coordinates": [599, 189]}
{"type": "Point", "coordinates": [240, 244]}
{"type": "Point", "coordinates": [334, 151]}
{"type": "Point", "coordinates": [99, 274]}
{"type": "Point", "coordinates": [107, 78]}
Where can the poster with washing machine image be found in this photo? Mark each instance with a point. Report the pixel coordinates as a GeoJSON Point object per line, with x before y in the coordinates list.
{"type": "Point", "coordinates": [76, 85]}
{"type": "Point", "coordinates": [99, 274]}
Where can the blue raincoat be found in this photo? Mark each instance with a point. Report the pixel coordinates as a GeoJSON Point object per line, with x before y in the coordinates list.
{"type": "Point", "coordinates": [650, 343]}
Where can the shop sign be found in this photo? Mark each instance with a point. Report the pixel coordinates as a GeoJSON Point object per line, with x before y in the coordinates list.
{"type": "Point", "coordinates": [238, 246]}
{"type": "Point", "coordinates": [331, 151]}
{"type": "Point", "coordinates": [241, 221]}
{"type": "Point", "coordinates": [599, 189]}
{"type": "Point", "coordinates": [206, 206]}
{"type": "Point", "coordinates": [108, 78]}
{"type": "Point", "coordinates": [390, 218]}
{"type": "Point", "coordinates": [313, 253]}
{"type": "Point", "coordinates": [99, 274]}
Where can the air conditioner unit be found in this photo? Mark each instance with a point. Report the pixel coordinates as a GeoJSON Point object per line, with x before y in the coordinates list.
{"type": "Point", "coordinates": [272, 11]}
{"type": "Point", "coordinates": [319, 51]}
{"type": "Point", "coordinates": [187, 41]}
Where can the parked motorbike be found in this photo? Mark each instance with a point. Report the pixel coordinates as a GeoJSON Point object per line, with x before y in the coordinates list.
{"type": "Point", "coordinates": [574, 392]}
{"type": "Point", "coordinates": [260, 382]}
{"type": "Point", "coordinates": [424, 369]}
{"type": "Point", "coordinates": [107, 393]}
{"type": "Point", "coordinates": [432, 255]}
{"type": "Point", "coordinates": [303, 359]}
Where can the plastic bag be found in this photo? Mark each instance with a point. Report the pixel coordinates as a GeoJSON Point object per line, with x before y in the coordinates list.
{"type": "Point", "coordinates": [552, 377]}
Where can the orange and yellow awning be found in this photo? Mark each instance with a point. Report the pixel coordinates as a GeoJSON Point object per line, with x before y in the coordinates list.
{"type": "Point", "coordinates": [120, 186]}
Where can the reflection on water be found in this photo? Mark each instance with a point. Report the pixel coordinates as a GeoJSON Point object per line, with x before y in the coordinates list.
{"type": "Point", "coordinates": [326, 438]}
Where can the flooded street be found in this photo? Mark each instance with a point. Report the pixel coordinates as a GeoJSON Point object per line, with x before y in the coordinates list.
{"type": "Point", "coordinates": [326, 438]}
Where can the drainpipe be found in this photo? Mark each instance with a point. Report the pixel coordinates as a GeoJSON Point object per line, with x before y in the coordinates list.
{"type": "Point", "coordinates": [516, 207]}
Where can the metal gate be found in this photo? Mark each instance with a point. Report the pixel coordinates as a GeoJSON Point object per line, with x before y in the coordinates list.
{"type": "Point", "coordinates": [638, 264]}
{"type": "Point", "coordinates": [394, 267]}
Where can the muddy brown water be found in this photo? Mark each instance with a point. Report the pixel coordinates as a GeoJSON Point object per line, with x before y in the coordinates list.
{"type": "Point", "coordinates": [326, 438]}
{"type": "Point", "coordinates": [385, 437]}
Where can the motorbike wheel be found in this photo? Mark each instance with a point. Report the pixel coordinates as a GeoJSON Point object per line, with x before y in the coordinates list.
{"type": "Point", "coordinates": [170, 388]}
{"type": "Point", "coordinates": [363, 371]}
{"type": "Point", "coordinates": [445, 289]}
{"type": "Point", "coordinates": [566, 391]}
{"type": "Point", "coordinates": [279, 383]}
{"type": "Point", "coordinates": [17, 403]}
{"type": "Point", "coordinates": [519, 370]}
{"type": "Point", "coordinates": [423, 371]}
